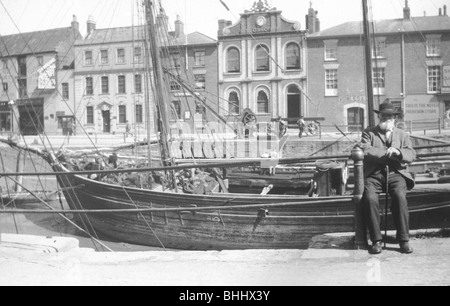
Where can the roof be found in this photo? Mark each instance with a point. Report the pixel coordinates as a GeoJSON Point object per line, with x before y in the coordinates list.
{"type": "Point", "coordinates": [111, 35]}
{"type": "Point", "coordinates": [35, 42]}
{"type": "Point", "coordinates": [125, 34]}
{"type": "Point", "coordinates": [195, 38]}
{"type": "Point", "coordinates": [415, 24]}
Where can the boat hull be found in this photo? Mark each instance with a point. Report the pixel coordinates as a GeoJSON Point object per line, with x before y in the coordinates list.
{"type": "Point", "coordinates": [226, 221]}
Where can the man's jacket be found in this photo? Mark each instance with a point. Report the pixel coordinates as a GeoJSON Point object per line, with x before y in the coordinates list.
{"type": "Point", "coordinates": [374, 145]}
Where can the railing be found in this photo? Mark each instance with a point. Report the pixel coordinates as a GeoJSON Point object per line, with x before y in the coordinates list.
{"type": "Point", "coordinates": [437, 124]}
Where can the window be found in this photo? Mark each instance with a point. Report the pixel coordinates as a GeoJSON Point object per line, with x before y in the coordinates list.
{"type": "Point", "coordinates": [89, 86]}
{"type": "Point", "coordinates": [5, 87]}
{"type": "Point", "coordinates": [120, 56]}
{"type": "Point", "coordinates": [233, 61]}
{"type": "Point", "coordinates": [378, 50]}
{"type": "Point", "coordinates": [90, 115]}
{"type": "Point", "coordinates": [22, 88]}
{"type": "Point", "coordinates": [137, 55]}
{"type": "Point", "coordinates": [121, 84]}
{"type": "Point", "coordinates": [233, 103]}
{"type": "Point", "coordinates": [434, 79]}
{"type": "Point", "coordinates": [88, 58]}
{"type": "Point", "coordinates": [331, 51]}
{"type": "Point", "coordinates": [40, 60]}
{"type": "Point", "coordinates": [292, 57]}
{"type": "Point", "coordinates": [105, 85]}
{"type": "Point", "coordinates": [379, 76]}
{"type": "Point", "coordinates": [122, 114]}
{"type": "Point", "coordinates": [175, 60]}
{"type": "Point", "coordinates": [263, 102]}
{"type": "Point", "coordinates": [199, 58]}
{"type": "Point", "coordinates": [5, 64]}
{"type": "Point", "coordinates": [199, 81]}
{"type": "Point", "coordinates": [262, 58]}
{"type": "Point", "coordinates": [176, 108]}
{"type": "Point", "coordinates": [138, 83]}
{"type": "Point", "coordinates": [22, 62]}
{"type": "Point", "coordinates": [5, 122]}
{"type": "Point", "coordinates": [433, 45]}
{"type": "Point", "coordinates": [104, 57]}
{"type": "Point", "coordinates": [331, 82]}
{"type": "Point", "coordinates": [174, 86]}
{"type": "Point", "coordinates": [200, 109]}
{"type": "Point", "coordinates": [139, 113]}
{"type": "Point", "coordinates": [65, 90]}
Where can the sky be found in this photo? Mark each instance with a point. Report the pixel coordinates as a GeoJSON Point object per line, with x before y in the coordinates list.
{"type": "Point", "coordinates": [20, 16]}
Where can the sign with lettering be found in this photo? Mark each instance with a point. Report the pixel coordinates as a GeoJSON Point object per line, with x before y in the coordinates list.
{"type": "Point", "coordinates": [416, 110]}
{"type": "Point", "coordinates": [445, 79]}
{"type": "Point", "coordinates": [47, 77]}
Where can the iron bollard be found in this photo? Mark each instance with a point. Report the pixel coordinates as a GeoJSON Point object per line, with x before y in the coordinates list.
{"type": "Point", "coordinates": [360, 226]}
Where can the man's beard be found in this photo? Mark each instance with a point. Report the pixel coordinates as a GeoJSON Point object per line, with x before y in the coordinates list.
{"type": "Point", "coordinates": [387, 125]}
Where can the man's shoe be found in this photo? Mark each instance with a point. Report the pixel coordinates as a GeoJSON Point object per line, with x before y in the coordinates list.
{"type": "Point", "coordinates": [405, 248]}
{"type": "Point", "coordinates": [375, 248]}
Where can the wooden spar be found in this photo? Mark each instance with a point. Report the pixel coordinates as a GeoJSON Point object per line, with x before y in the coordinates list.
{"type": "Point", "coordinates": [368, 58]}
{"type": "Point", "coordinates": [228, 164]}
{"type": "Point", "coordinates": [160, 97]}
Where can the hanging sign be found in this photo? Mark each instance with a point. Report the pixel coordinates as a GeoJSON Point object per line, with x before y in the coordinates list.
{"type": "Point", "coordinates": [47, 78]}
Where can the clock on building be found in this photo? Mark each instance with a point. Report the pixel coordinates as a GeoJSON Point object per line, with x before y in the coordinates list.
{"type": "Point", "coordinates": [260, 21]}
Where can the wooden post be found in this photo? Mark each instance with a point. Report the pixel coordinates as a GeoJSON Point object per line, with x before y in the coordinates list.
{"type": "Point", "coordinates": [360, 226]}
{"type": "Point", "coordinates": [440, 126]}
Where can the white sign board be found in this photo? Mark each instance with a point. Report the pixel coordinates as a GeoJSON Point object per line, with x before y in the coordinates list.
{"type": "Point", "coordinates": [47, 76]}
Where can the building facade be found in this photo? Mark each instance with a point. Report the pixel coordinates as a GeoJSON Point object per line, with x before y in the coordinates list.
{"type": "Point", "coordinates": [410, 68]}
{"type": "Point", "coordinates": [262, 65]}
{"type": "Point", "coordinates": [191, 60]}
{"type": "Point", "coordinates": [110, 81]}
{"type": "Point", "coordinates": [36, 73]}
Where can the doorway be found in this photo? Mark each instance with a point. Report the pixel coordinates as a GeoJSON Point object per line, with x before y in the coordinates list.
{"type": "Point", "coordinates": [106, 114]}
{"type": "Point", "coordinates": [31, 120]}
{"type": "Point", "coordinates": [294, 104]}
{"type": "Point", "coordinates": [355, 119]}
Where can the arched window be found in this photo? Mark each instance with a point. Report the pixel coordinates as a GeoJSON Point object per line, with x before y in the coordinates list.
{"type": "Point", "coordinates": [262, 58]}
{"type": "Point", "coordinates": [233, 61]}
{"type": "Point", "coordinates": [233, 103]}
{"type": "Point", "coordinates": [263, 102]}
{"type": "Point", "coordinates": [292, 56]}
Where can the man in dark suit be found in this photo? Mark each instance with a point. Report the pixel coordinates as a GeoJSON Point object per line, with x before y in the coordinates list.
{"type": "Point", "coordinates": [387, 153]}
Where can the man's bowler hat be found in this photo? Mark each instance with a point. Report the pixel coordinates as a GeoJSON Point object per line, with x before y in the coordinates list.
{"type": "Point", "coordinates": [387, 108]}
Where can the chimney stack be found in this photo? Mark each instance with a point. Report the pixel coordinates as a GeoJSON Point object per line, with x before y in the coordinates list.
{"type": "Point", "coordinates": [311, 20]}
{"type": "Point", "coordinates": [75, 24]}
{"type": "Point", "coordinates": [179, 27]}
{"type": "Point", "coordinates": [445, 10]}
{"type": "Point", "coordinates": [406, 11]}
{"type": "Point", "coordinates": [90, 24]}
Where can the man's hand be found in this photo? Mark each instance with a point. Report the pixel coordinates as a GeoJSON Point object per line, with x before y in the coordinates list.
{"type": "Point", "coordinates": [393, 152]}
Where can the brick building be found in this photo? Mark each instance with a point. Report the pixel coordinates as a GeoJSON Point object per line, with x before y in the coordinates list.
{"type": "Point", "coordinates": [410, 59]}
{"type": "Point", "coordinates": [262, 64]}
{"type": "Point", "coordinates": [36, 73]}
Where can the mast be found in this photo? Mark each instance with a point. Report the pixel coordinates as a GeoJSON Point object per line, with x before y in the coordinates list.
{"type": "Point", "coordinates": [161, 100]}
{"type": "Point", "coordinates": [368, 58]}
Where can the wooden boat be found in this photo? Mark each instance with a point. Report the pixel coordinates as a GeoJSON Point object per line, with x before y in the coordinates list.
{"type": "Point", "coordinates": [218, 221]}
